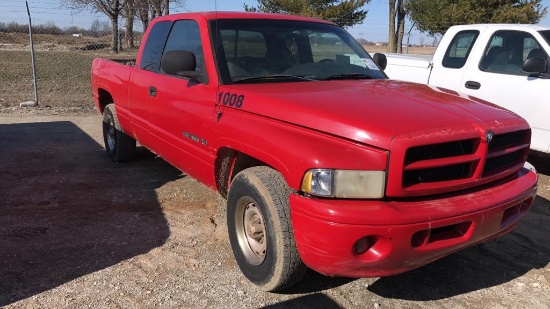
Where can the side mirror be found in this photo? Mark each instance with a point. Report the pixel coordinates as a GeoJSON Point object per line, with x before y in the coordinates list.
{"type": "Point", "coordinates": [380, 60]}
{"type": "Point", "coordinates": [180, 63]}
{"type": "Point", "coordinates": [535, 65]}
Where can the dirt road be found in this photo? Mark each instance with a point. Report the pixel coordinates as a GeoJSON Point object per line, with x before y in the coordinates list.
{"type": "Point", "coordinates": [79, 231]}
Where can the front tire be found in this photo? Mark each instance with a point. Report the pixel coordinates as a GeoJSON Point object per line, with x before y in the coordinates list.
{"type": "Point", "coordinates": [260, 229]}
{"type": "Point", "coordinates": [119, 146]}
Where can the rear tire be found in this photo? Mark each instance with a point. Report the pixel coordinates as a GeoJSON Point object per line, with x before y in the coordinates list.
{"type": "Point", "coordinates": [119, 146]}
{"type": "Point", "coordinates": [260, 229]}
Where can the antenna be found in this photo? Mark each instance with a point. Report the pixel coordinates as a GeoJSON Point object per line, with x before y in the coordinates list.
{"type": "Point", "coordinates": [215, 52]}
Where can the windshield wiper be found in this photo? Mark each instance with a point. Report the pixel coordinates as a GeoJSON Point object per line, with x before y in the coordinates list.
{"type": "Point", "coordinates": [349, 76]}
{"type": "Point", "coordinates": [256, 79]}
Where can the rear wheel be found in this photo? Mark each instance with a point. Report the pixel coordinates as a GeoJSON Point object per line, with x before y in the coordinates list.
{"type": "Point", "coordinates": [119, 146]}
{"type": "Point", "coordinates": [260, 229]}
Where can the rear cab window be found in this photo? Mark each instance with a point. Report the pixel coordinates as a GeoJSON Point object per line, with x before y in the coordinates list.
{"type": "Point", "coordinates": [152, 51]}
{"type": "Point", "coordinates": [507, 50]}
{"type": "Point", "coordinates": [458, 51]}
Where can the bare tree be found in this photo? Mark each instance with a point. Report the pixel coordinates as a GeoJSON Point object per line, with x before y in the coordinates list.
{"type": "Point", "coordinates": [129, 13]}
{"type": "Point", "coordinates": [146, 10]}
{"type": "Point", "coordinates": [142, 12]}
{"type": "Point", "coordinates": [111, 8]}
{"type": "Point", "coordinates": [156, 8]}
{"type": "Point", "coordinates": [166, 7]}
{"type": "Point", "coordinates": [396, 25]}
{"type": "Point", "coordinates": [95, 28]}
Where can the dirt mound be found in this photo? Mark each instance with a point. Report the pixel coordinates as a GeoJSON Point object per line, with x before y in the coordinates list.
{"type": "Point", "coordinates": [13, 38]}
{"type": "Point", "coordinates": [53, 42]}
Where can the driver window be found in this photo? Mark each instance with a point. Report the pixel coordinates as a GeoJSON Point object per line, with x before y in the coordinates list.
{"type": "Point", "coordinates": [531, 48]}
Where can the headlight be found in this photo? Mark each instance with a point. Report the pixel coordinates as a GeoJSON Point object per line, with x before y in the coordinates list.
{"type": "Point", "coordinates": [344, 183]}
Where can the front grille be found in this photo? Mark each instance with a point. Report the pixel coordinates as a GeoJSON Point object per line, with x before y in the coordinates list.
{"type": "Point", "coordinates": [508, 140]}
{"type": "Point", "coordinates": [463, 162]}
{"type": "Point", "coordinates": [452, 172]}
{"type": "Point", "coordinates": [502, 162]}
{"type": "Point", "coordinates": [437, 151]}
{"type": "Point", "coordinates": [506, 151]}
{"type": "Point", "coordinates": [439, 162]}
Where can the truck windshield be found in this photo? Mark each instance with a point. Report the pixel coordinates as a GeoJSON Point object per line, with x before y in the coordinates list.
{"type": "Point", "coordinates": [266, 51]}
{"type": "Point", "coordinates": [546, 35]}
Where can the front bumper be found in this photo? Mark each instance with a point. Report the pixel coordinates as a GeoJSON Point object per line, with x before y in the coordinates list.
{"type": "Point", "coordinates": [405, 234]}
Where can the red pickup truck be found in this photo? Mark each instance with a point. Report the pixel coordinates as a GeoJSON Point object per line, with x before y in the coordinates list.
{"type": "Point", "coordinates": [324, 162]}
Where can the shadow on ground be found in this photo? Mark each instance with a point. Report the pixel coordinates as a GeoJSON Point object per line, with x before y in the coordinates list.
{"type": "Point", "coordinates": [316, 300]}
{"type": "Point", "coordinates": [66, 210]}
{"type": "Point", "coordinates": [313, 282]}
{"type": "Point", "coordinates": [541, 161]}
{"type": "Point", "coordinates": [485, 265]}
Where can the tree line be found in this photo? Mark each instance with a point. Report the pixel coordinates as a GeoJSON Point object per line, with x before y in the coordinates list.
{"type": "Point", "coordinates": [433, 17]}
{"type": "Point", "coordinates": [97, 29]}
{"type": "Point", "coordinates": [430, 16]}
{"type": "Point", "coordinates": [143, 10]}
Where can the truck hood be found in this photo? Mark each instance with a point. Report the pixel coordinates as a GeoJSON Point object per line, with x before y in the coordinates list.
{"type": "Point", "coordinates": [372, 112]}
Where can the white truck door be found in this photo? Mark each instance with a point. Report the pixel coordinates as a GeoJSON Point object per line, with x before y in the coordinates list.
{"type": "Point", "coordinates": [500, 79]}
{"type": "Point", "coordinates": [449, 65]}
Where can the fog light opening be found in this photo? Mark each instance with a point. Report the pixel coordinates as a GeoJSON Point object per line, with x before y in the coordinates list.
{"type": "Point", "coordinates": [526, 204]}
{"type": "Point", "coordinates": [364, 244]}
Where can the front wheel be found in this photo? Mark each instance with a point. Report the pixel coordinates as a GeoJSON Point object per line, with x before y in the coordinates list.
{"type": "Point", "coordinates": [119, 146]}
{"type": "Point", "coordinates": [260, 229]}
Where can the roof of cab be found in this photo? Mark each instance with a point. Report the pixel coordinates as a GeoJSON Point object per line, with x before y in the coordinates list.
{"type": "Point", "coordinates": [240, 15]}
{"type": "Point", "coordinates": [525, 27]}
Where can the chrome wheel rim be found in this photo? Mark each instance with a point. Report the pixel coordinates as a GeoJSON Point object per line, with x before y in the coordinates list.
{"type": "Point", "coordinates": [251, 231]}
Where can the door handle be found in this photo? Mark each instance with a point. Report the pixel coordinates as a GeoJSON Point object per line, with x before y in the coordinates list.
{"type": "Point", "coordinates": [472, 85]}
{"type": "Point", "coordinates": [152, 91]}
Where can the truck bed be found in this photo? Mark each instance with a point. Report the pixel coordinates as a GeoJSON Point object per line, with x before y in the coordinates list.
{"type": "Point", "coordinates": [412, 68]}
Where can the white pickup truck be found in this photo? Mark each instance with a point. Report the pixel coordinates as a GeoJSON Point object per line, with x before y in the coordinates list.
{"type": "Point", "coordinates": [504, 64]}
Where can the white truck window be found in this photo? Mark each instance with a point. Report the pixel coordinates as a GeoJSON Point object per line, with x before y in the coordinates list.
{"type": "Point", "coordinates": [507, 50]}
{"type": "Point", "coordinates": [546, 35]}
{"type": "Point", "coordinates": [458, 51]}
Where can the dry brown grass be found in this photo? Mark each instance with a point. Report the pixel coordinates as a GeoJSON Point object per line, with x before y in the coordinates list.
{"type": "Point", "coordinates": [416, 50]}
{"type": "Point", "coordinates": [62, 67]}
{"type": "Point", "coordinates": [63, 76]}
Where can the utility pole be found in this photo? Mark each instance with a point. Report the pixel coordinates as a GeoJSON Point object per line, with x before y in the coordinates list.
{"type": "Point", "coordinates": [35, 102]}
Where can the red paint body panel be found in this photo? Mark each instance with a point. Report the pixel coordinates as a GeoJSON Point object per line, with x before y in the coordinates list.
{"type": "Point", "coordinates": [372, 112]}
{"type": "Point", "coordinates": [337, 124]}
{"type": "Point", "coordinates": [326, 232]}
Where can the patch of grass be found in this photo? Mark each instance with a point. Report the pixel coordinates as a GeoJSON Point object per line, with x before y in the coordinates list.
{"type": "Point", "coordinates": [63, 77]}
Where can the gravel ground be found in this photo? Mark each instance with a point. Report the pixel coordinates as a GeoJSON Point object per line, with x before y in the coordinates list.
{"type": "Point", "coordinates": [79, 231]}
